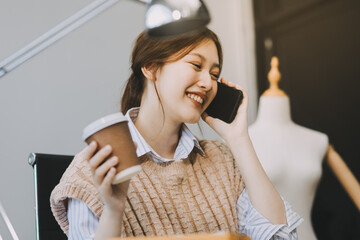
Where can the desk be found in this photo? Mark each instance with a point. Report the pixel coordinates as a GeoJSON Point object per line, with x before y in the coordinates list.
{"type": "Point", "coordinates": [202, 236]}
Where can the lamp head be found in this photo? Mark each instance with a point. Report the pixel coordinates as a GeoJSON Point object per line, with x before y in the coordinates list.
{"type": "Point", "coordinates": [166, 18]}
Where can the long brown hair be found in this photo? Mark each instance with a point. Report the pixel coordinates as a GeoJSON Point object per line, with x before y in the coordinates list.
{"type": "Point", "coordinates": [157, 52]}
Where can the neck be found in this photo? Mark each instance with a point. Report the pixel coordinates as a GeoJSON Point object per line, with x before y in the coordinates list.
{"type": "Point", "coordinates": [163, 137]}
{"type": "Point", "coordinates": [274, 110]}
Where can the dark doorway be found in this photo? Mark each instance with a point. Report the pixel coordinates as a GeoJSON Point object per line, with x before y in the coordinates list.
{"type": "Point", "coordinates": [318, 45]}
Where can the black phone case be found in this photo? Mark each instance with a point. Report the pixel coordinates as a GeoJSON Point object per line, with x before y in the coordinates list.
{"type": "Point", "coordinates": [225, 104]}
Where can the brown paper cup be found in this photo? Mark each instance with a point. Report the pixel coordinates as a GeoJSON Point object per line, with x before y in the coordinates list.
{"type": "Point", "coordinates": [113, 130]}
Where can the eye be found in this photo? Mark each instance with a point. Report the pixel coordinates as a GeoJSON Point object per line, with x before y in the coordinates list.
{"type": "Point", "coordinates": [214, 76]}
{"type": "Point", "coordinates": [196, 66]}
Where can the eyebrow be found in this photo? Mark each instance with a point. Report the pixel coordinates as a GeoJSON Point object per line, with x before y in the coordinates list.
{"type": "Point", "coordinates": [203, 58]}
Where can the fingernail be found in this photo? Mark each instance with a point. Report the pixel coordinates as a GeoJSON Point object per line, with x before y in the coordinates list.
{"type": "Point", "coordinates": [92, 144]}
{"type": "Point", "coordinates": [114, 159]}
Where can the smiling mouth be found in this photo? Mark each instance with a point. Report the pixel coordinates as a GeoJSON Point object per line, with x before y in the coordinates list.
{"type": "Point", "coordinates": [196, 98]}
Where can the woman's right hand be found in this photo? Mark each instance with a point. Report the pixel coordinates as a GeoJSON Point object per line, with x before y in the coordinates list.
{"type": "Point", "coordinates": [103, 172]}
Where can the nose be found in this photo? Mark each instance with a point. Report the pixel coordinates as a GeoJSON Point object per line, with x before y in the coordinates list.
{"type": "Point", "coordinates": [205, 81]}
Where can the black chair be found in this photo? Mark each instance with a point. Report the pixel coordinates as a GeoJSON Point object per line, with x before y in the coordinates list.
{"type": "Point", "coordinates": [48, 169]}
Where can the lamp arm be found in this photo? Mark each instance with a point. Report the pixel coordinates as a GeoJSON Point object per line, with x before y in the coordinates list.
{"type": "Point", "coordinates": [56, 33]}
{"type": "Point", "coordinates": [8, 223]}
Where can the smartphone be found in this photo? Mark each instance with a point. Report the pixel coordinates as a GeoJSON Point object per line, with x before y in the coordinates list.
{"type": "Point", "coordinates": [226, 103]}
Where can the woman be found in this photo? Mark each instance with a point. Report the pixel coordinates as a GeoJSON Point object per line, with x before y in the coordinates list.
{"type": "Point", "coordinates": [186, 185]}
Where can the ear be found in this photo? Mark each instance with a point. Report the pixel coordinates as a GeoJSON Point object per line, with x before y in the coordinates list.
{"type": "Point", "coordinates": [149, 72]}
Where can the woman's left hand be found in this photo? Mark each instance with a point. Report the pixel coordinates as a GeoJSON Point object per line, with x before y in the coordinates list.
{"type": "Point", "coordinates": [239, 126]}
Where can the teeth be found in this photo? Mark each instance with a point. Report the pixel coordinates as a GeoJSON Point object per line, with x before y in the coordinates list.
{"type": "Point", "coordinates": [196, 98]}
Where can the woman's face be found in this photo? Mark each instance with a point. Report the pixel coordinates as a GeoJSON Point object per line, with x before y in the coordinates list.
{"type": "Point", "coordinates": [187, 86]}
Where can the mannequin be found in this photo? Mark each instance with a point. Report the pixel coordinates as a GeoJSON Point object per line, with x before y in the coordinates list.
{"type": "Point", "coordinates": [291, 154]}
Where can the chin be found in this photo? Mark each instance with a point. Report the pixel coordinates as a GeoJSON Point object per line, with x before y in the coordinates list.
{"type": "Point", "coordinates": [189, 115]}
{"type": "Point", "coordinates": [193, 120]}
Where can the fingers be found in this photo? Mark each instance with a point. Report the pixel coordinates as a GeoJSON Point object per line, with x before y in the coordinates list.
{"type": "Point", "coordinates": [103, 169]}
{"type": "Point", "coordinates": [88, 151]}
{"type": "Point", "coordinates": [231, 84]}
{"type": "Point", "coordinates": [212, 122]}
{"type": "Point", "coordinates": [206, 118]}
{"type": "Point", "coordinates": [100, 166]}
{"type": "Point", "coordinates": [237, 86]}
{"type": "Point", "coordinates": [99, 157]}
{"type": "Point", "coordinates": [106, 183]}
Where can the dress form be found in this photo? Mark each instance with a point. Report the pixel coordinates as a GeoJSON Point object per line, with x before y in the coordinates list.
{"type": "Point", "coordinates": [290, 154]}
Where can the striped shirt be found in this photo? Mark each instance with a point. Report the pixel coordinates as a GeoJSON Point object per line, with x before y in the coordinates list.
{"type": "Point", "coordinates": [83, 222]}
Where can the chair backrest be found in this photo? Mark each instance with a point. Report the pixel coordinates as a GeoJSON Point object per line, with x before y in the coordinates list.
{"type": "Point", "coordinates": [48, 169]}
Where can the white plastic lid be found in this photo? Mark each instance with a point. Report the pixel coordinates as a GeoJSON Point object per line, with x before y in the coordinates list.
{"type": "Point", "coordinates": [102, 123]}
{"type": "Point", "coordinates": [126, 174]}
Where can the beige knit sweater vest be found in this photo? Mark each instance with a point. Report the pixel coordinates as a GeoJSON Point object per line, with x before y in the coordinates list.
{"type": "Point", "coordinates": [197, 194]}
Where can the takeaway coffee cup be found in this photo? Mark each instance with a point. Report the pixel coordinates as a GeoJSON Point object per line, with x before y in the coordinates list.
{"type": "Point", "coordinates": [113, 130]}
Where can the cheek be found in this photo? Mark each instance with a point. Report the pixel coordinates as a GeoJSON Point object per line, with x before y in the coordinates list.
{"type": "Point", "coordinates": [211, 95]}
{"type": "Point", "coordinates": [170, 91]}
{"type": "Point", "coordinates": [213, 90]}
{"type": "Point", "coordinates": [177, 77]}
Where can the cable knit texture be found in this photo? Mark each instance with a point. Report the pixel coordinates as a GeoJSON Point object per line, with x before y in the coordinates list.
{"type": "Point", "coordinates": [197, 194]}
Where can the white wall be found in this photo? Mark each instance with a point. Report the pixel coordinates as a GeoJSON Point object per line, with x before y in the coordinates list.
{"type": "Point", "coordinates": [45, 103]}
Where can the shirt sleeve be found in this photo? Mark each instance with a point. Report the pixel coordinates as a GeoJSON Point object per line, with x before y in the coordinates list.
{"type": "Point", "coordinates": [253, 224]}
{"type": "Point", "coordinates": [82, 221]}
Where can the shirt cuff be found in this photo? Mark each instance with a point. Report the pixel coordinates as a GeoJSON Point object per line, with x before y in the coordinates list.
{"type": "Point", "coordinates": [255, 225]}
{"type": "Point", "coordinates": [82, 221]}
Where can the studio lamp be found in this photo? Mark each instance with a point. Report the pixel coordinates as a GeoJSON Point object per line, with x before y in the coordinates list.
{"type": "Point", "coordinates": [163, 18]}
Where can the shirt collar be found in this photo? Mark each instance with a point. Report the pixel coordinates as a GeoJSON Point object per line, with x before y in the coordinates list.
{"type": "Point", "coordinates": [186, 144]}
